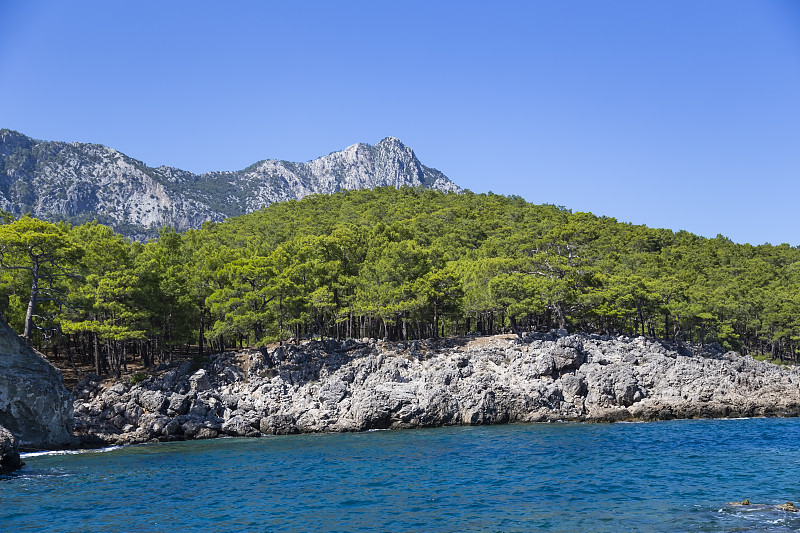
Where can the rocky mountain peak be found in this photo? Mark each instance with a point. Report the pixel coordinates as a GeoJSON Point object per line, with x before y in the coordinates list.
{"type": "Point", "coordinates": [391, 141]}
{"type": "Point", "coordinates": [79, 182]}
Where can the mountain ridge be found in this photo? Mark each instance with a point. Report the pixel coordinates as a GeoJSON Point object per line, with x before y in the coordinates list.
{"type": "Point", "coordinates": [79, 182]}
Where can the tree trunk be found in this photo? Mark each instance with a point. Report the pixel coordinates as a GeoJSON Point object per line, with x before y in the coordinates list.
{"type": "Point", "coordinates": [435, 321]}
{"type": "Point", "coordinates": [71, 358]}
{"type": "Point", "coordinates": [201, 338]}
{"type": "Point", "coordinates": [97, 361]}
{"type": "Point", "coordinates": [32, 301]}
{"type": "Point", "coordinates": [115, 359]}
{"type": "Point", "coordinates": [513, 321]}
{"type": "Point", "coordinates": [562, 320]}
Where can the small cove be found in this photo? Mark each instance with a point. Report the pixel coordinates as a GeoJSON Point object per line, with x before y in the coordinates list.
{"type": "Point", "coordinates": [659, 476]}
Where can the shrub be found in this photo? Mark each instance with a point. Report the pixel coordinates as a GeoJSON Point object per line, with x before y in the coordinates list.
{"type": "Point", "coordinates": [138, 378]}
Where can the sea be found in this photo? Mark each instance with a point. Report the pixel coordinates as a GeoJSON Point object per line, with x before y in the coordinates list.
{"type": "Point", "coordinates": [656, 476]}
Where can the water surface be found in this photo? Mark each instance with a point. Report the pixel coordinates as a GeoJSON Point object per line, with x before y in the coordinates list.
{"type": "Point", "coordinates": [660, 476]}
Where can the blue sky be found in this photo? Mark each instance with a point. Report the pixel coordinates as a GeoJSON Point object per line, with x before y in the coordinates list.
{"type": "Point", "coordinates": [677, 114]}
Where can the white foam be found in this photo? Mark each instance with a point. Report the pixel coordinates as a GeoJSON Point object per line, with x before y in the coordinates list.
{"type": "Point", "coordinates": [68, 452]}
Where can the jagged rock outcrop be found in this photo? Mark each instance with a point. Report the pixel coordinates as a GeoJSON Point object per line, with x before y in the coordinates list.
{"type": "Point", "coordinates": [80, 182]}
{"type": "Point", "coordinates": [356, 386]}
{"type": "Point", "coordinates": [34, 404]}
{"type": "Point", "coordinates": [9, 452]}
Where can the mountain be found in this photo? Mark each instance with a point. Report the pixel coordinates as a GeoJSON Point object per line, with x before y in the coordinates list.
{"type": "Point", "coordinates": [80, 182]}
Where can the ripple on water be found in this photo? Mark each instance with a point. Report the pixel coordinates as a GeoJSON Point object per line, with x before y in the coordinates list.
{"type": "Point", "coordinates": [665, 476]}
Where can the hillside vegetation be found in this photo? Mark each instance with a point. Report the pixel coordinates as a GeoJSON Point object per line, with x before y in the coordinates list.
{"type": "Point", "coordinates": [389, 263]}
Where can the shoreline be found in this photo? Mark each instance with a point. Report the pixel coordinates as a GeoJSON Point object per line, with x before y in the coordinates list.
{"type": "Point", "coordinates": [354, 386]}
{"type": "Point", "coordinates": [77, 449]}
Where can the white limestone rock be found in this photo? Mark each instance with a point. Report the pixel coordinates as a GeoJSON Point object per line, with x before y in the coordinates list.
{"type": "Point", "coordinates": [322, 387]}
{"type": "Point", "coordinates": [79, 182]}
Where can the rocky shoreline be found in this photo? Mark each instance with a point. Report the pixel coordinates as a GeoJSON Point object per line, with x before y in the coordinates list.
{"type": "Point", "coordinates": [334, 386]}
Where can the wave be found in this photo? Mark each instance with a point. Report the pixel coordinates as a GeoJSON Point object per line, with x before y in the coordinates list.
{"type": "Point", "coordinates": [68, 452]}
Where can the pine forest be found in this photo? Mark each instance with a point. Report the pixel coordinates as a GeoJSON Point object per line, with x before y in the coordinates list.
{"type": "Point", "coordinates": [388, 263]}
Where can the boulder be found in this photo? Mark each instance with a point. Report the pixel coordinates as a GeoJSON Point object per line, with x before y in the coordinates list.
{"type": "Point", "coordinates": [237, 426]}
{"type": "Point", "coordinates": [332, 392]}
{"type": "Point", "coordinates": [153, 401]}
{"type": "Point", "coordinates": [9, 452]}
{"type": "Point", "coordinates": [278, 425]}
{"type": "Point", "coordinates": [179, 404]}
{"type": "Point", "coordinates": [206, 433]}
{"type": "Point", "coordinates": [567, 353]}
{"type": "Point", "coordinates": [34, 404]}
{"type": "Point", "coordinates": [199, 381]}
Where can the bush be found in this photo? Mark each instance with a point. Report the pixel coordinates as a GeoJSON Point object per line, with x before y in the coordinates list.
{"type": "Point", "coordinates": [775, 361]}
{"type": "Point", "coordinates": [138, 378]}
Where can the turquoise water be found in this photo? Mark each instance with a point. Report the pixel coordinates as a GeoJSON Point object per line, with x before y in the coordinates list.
{"type": "Point", "coordinates": [661, 476]}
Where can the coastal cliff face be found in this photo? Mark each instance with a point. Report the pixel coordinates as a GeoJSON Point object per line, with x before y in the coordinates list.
{"type": "Point", "coordinates": [80, 182]}
{"type": "Point", "coordinates": [35, 407]}
{"type": "Point", "coordinates": [357, 386]}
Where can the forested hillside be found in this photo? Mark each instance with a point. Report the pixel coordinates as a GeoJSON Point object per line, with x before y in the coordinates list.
{"type": "Point", "coordinates": [396, 263]}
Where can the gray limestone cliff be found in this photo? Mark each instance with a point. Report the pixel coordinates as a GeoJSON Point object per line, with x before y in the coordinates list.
{"type": "Point", "coordinates": [357, 386]}
{"type": "Point", "coordinates": [81, 182]}
{"type": "Point", "coordinates": [35, 407]}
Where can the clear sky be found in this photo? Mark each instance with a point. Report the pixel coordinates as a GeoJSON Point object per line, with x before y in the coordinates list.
{"type": "Point", "coordinates": [682, 114]}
